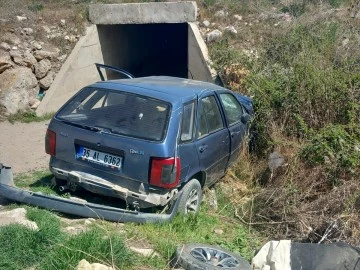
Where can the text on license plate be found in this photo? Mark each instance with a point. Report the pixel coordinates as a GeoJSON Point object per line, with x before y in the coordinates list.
{"type": "Point", "coordinates": [98, 157]}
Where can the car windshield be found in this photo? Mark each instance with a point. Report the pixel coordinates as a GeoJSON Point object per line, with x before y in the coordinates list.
{"type": "Point", "coordinates": [117, 112]}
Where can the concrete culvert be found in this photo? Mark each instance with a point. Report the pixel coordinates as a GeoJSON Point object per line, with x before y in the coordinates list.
{"type": "Point", "coordinates": [145, 39]}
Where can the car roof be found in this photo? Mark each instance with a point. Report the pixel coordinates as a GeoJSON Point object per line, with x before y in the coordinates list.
{"type": "Point", "coordinates": [161, 86]}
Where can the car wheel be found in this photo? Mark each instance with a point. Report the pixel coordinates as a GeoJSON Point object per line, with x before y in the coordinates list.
{"type": "Point", "coordinates": [191, 198]}
{"type": "Point", "coordinates": [202, 256]}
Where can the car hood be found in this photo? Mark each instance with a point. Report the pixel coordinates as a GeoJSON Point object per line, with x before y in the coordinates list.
{"type": "Point", "coordinates": [246, 101]}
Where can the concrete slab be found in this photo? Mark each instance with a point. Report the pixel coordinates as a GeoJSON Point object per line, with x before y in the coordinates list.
{"type": "Point", "coordinates": [143, 13]}
{"type": "Point", "coordinates": [78, 71]}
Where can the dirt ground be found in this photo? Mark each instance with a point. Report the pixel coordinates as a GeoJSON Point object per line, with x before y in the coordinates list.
{"type": "Point", "coordinates": [22, 146]}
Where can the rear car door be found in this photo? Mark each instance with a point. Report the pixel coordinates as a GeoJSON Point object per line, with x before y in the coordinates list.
{"type": "Point", "coordinates": [237, 129]}
{"type": "Point", "coordinates": [213, 141]}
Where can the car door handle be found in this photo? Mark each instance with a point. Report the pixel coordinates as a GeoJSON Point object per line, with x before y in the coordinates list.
{"type": "Point", "coordinates": [202, 148]}
{"type": "Point", "coordinates": [234, 133]}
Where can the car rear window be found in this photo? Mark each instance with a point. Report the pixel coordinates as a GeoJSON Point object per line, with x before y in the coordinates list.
{"type": "Point", "coordinates": [118, 112]}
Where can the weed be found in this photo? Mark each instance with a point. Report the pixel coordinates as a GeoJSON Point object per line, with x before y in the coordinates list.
{"type": "Point", "coordinates": [35, 7]}
{"type": "Point", "coordinates": [28, 117]}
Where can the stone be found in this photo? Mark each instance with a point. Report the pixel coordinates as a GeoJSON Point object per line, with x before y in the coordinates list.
{"type": "Point", "coordinates": [142, 13]}
{"type": "Point", "coordinates": [213, 199]}
{"type": "Point", "coordinates": [5, 46]}
{"type": "Point", "coordinates": [37, 46]}
{"type": "Point", "coordinates": [28, 31]}
{"type": "Point", "coordinates": [146, 252]}
{"type": "Point", "coordinates": [205, 24]}
{"type": "Point", "coordinates": [34, 103]}
{"type": "Point", "coordinates": [231, 29]}
{"type": "Point", "coordinates": [21, 18]}
{"type": "Point", "coordinates": [26, 59]}
{"type": "Point", "coordinates": [44, 54]}
{"type": "Point", "coordinates": [62, 22]}
{"type": "Point", "coordinates": [275, 160]}
{"type": "Point", "coordinates": [62, 58]}
{"type": "Point", "coordinates": [5, 62]}
{"type": "Point", "coordinates": [218, 231]}
{"type": "Point", "coordinates": [17, 216]}
{"type": "Point", "coordinates": [47, 80]}
{"type": "Point", "coordinates": [213, 35]}
{"type": "Point", "coordinates": [11, 38]}
{"type": "Point", "coordinates": [18, 85]}
{"type": "Point", "coordinates": [46, 29]}
{"type": "Point", "coordinates": [85, 265]}
{"type": "Point", "coordinates": [42, 68]}
{"type": "Point", "coordinates": [221, 13]}
{"type": "Point", "coordinates": [238, 17]}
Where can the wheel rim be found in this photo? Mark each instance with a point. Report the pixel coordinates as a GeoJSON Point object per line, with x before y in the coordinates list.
{"type": "Point", "coordinates": [214, 257]}
{"type": "Point", "coordinates": [192, 202]}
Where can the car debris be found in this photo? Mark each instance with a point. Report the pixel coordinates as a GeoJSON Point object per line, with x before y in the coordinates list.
{"type": "Point", "coordinates": [9, 191]}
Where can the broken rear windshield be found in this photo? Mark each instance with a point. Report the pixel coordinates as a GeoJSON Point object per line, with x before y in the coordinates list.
{"type": "Point", "coordinates": [117, 112]}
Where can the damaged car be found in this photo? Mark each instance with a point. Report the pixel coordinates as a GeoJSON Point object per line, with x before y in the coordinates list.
{"type": "Point", "coordinates": [144, 140]}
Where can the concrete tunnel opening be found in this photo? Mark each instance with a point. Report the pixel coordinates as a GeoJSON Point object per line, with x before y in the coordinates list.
{"type": "Point", "coordinates": [146, 49]}
{"type": "Point", "coordinates": [145, 39]}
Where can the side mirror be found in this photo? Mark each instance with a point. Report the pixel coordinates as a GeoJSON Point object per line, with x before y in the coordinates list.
{"type": "Point", "coordinates": [245, 118]}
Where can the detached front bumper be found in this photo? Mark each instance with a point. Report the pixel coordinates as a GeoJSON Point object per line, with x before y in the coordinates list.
{"type": "Point", "coordinates": [68, 206]}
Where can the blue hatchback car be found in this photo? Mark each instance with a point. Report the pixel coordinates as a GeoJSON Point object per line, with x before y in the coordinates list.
{"type": "Point", "coordinates": [146, 139]}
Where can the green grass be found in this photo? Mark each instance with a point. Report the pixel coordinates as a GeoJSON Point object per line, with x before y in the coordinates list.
{"type": "Point", "coordinates": [50, 248]}
{"type": "Point", "coordinates": [37, 181]}
{"type": "Point", "coordinates": [28, 117]}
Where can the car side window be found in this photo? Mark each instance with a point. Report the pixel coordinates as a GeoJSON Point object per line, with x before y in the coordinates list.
{"type": "Point", "coordinates": [210, 117]}
{"type": "Point", "coordinates": [233, 109]}
{"type": "Point", "coordinates": [187, 124]}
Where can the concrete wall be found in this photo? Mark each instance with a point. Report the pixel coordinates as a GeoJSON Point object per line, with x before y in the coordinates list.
{"type": "Point", "coordinates": [143, 13]}
{"type": "Point", "coordinates": [145, 39]}
{"type": "Point", "coordinates": [78, 71]}
{"type": "Point", "coordinates": [198, 57]}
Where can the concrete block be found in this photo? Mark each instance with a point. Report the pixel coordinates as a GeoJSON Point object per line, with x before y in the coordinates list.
{"type": "Point", "coordinates": [142, 13]}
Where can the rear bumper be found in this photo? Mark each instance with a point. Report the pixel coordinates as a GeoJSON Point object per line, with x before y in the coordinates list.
{"type": "Point", "coordinates": [54, 203]}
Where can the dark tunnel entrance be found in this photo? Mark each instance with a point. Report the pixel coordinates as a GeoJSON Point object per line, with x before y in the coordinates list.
{"type": "Point", "coordinates": [146, 49]}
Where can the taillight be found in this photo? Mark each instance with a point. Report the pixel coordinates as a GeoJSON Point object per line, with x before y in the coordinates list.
{"type": "Point", "coordinates": [165, 172]}
{"type": "Point", "coordinates": [50, 142]}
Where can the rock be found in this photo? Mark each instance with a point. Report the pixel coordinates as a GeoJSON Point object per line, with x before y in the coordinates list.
{"type": "Point", "coordinates": [11, 38]}
{"type": "Point", "coordinates": [205, 24]}
{"type": "Point", "coordinates": [85, 265]}
{"type": "Point", "coordinates": [26, 59]}
{"type": "Point", "coordinates": [46, 29]}
{"type": "Point", "coordinates": [213, 199]}
{"type": "Point", "coordinates": [34, 103]}
{"type": "Point", "coordinates": [43, 54]}
{"type": "Point", "coordinates": [238, 17]}
{"type": "Point", "coordinates": [62, 22]}
{"type": "Point", "coordinates": [28, 31]}
{"type": "Point", "coordinates": [5, 46]}
{"type": "Point", "coordinates": [275, 160]}
{"type": "Point", "coordinates": [76, 229]}
{"type": "Point", "coordinates": [21, 18]}
{"type": "Point", "coordinates": [218, 231]}
{"type": "Point", "coordinates": [146, 252]}
{"type": "Point", "coordinates": [62, 57]}
{"type": "Point", "coordinates": [47, 80]}
{"type": "Point", "coordinates": [231, 29]}
{"type": "Point", "coordinates": [18, 86]}
{"type": "Point", "coordinates": [17, 216]}
{"type": "Point", "coordinates": [37, 46]}
{"type": "Point", "coordinates": [213, 35]}
{"type": "Point", "coordinates": [42, 68]}
{"type": "Point", "coordinates": [221, 13]}
{"type": "Point", "coordinates": [5, 62]}
{"type": "Point", "coordinates": [14, 48]}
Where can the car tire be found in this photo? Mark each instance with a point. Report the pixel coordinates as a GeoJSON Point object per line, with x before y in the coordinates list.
{"type": "Point", "coordinates": [202, 256]}
{"type": "Point", "coordinates": [190, 198]}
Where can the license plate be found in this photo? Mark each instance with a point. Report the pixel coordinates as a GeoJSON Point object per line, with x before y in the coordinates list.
{"type": "Point", "coordinates": [94, 156]}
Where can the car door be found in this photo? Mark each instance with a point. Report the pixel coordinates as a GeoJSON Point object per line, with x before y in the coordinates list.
{"type": "Point", "coordinates": [237, 129]}
{"type": "Point", "coordinates": [213, 141]}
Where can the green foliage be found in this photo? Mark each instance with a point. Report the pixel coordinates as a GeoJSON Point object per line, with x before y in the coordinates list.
{"type": "Point", "coordinates": [28, 117]}
{"type": "Point", "coordinates": [334, 144]}
{"type": "Point", "coordinates": [95, 245]}
{"type": "Point", "coordinates": [22, 247]}
{"type": "Point", "coordinates": [35, 6]}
